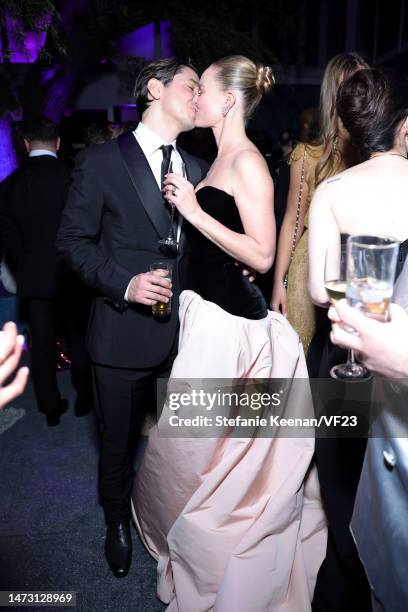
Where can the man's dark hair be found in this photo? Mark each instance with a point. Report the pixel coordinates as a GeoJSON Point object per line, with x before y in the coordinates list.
{"type": "Point", "coordinates": [371, 104]}
{"type": "Point", "coordinates": [163, 70]}
{"type": "Point", "coordinates": [39, 129]}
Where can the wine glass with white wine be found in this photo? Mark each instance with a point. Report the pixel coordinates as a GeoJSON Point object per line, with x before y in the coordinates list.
{"type": "Point", "coordinates": [335, 282]}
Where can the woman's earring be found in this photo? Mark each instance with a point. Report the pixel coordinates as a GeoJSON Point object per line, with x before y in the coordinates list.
{"type": "Point", "coordinates": [225, 110]}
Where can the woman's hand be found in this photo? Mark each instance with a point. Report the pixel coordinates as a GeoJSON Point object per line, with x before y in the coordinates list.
{"type": "Point", "coordinates": [382, 347]}
{"type": "Point", "coordinates": [180, 192]}
{"type": "Point", "coordinates": [279, 300]}
{"type": "Point", "coordinates": [11, 346]}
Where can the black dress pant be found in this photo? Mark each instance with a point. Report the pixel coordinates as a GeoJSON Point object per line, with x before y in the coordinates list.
{"type": "Point", "coordinates": [43, 317]}
{"type": "Point", "coordinates": [341, 585]}
{"type": "Point", "coordinates": [47, 319]}
{"type": "Point", "coordinates": [123, 399]}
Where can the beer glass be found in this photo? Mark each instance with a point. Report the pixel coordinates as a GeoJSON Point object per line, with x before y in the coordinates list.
{"type": "Point", "coordinates": [165, 270]}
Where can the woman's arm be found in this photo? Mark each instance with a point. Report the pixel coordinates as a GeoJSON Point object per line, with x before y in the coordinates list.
{"type": "Point", "coordinates": [253, 194]}
{"type": "Point", "coordinates": [285, 244]}
{"type": "Point", "coordinates": [323, 233]}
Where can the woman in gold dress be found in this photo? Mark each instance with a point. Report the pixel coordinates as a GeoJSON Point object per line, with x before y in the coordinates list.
{"type": "Point", "coordinates": [310, 165]}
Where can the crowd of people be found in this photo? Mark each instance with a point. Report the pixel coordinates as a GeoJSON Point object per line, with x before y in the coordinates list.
{"type": "Point", "coordinates": [243, 523]}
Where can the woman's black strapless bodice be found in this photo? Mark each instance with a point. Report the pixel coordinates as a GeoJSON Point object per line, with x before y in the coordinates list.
{"type": "Point", "coordinates": [211, 272]}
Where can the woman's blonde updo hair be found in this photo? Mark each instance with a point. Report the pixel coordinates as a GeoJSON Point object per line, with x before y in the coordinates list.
{"type": "Point", "coordinates": [240, 73]}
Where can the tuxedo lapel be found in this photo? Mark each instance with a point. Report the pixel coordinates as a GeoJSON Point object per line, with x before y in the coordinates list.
{"type": "Point", "coordinates": [144, 182]}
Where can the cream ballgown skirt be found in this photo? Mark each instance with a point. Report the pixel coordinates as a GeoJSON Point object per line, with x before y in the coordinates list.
{"type": "Point", "coordinates": [235, 524]}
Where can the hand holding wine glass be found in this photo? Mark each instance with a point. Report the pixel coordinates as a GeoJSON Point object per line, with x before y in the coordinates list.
{"type": "Point", "coordinates": [381, 346]}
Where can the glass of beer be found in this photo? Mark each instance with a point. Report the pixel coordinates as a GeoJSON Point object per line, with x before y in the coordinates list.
{"type": "Point", "coordinates": [165, 270]}
{"type": "Point", "coordinates": [371, 265]}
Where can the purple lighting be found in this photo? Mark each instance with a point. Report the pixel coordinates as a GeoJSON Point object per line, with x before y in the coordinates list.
{"type": "Point", "coordinates": [141, 42]}
{"type": "Point", "coordinates": [27, 52]}
{"type": "Point", "coordinates": [8, 157]}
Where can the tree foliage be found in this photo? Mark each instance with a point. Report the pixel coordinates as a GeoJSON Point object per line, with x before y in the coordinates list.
{"type": "Point", "coordinates": [265, 30]}
{"type": "Point", "coordinates": [33, 16]}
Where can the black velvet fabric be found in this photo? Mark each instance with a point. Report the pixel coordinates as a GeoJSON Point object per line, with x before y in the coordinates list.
{"type": "Point", "coordinates": [211, 272]}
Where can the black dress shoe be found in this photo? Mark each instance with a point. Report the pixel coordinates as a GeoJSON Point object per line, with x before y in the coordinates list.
{"type": "Point", "coordinates": [118, 547]}
{"type": "Point", "coordinates": [53, 418]}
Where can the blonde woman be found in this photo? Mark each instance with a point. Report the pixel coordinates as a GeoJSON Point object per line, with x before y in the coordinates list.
{"type": "Point", "coordinates": [234, 522]}
{"type": "Point", "coordinates": [310, 165]}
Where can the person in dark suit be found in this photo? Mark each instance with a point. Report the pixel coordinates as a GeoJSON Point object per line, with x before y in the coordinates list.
{"type": "Point", "coordinates": [31, 202]}
{"type": "Point", "coordinates": [109, 234]}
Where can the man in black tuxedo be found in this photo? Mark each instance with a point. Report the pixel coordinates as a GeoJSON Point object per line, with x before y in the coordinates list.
{"type": "Point", "coordinates": [31, 202]}
{"type": "Point", "coordinates": [114, 218]}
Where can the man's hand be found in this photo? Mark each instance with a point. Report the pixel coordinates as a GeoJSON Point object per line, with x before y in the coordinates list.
{"type": "Point", "coordinates": [149, 288]}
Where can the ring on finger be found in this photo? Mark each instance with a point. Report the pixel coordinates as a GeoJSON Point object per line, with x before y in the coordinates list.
{"type": "Point", "coordinates": [174, 191]}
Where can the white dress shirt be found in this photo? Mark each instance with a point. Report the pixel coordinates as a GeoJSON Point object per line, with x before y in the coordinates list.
{"type": "Point", "coordinates": [37, 152]}
{"type": "Point", "coordinates": [150, 143]}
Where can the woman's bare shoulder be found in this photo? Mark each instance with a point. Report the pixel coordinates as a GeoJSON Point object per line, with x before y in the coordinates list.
{"type": "Point", "coordinates": [248, 159]}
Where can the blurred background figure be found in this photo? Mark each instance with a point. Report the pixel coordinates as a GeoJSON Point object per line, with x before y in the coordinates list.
{"type": "Point", "coordinates": [286, 144]}
{"type": "Point", "coordinates": [96, 133]}
{"type": "Point", "coordinates": [309, 125]}
{"type": "Point", "coordinates": [115, 129]}
{"type": "Point", "coordinates": [31, 203]}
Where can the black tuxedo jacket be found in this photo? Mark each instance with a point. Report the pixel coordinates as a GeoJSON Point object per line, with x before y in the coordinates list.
{"type": "Point", "coordinates": [114, 217]}
{"type": "Point", "coordinates": [31, 202]}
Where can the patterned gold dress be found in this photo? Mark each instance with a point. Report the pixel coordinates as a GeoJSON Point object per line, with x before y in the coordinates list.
{"type": "Point", "coordinates": [301, 310]}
